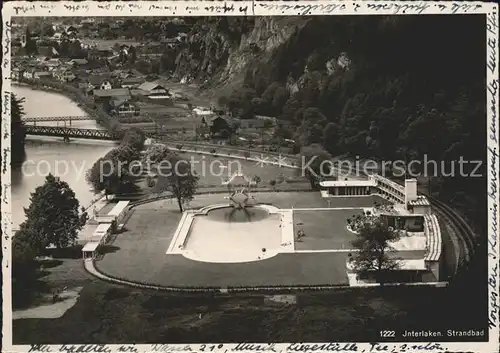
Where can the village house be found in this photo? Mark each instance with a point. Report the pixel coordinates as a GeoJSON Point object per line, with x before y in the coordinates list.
{"type": "Point", "coordinates": [123, 107]}
{"type": "Point", "coordinates": [64, 75]}
{"type": "Point", "coordinates": [71, 31]}
{"type": "Point", "coordinates": [106, 95]}
{"type": "Point", "coordinates": [52, 64]}
{"type": "Point", "coordinates": [96, 54]}
{"type": "Point", "coordinates": [154, 90]}
{"type": "Point", "coordinates": [214, 126]}
{"type": "Point", "coordinates": [87, 21]}
{"type": "Point", "coordinates": [40, 75]}
{"type": "Point", "coordinates": [47, 50]}
{"type": "Point", "coordinates": [99, 82]}
{"type": "Point", "coordinates": [28, 73]}
{"type": "Point", "coordinates": [78, 62]}
{"type": "Point", "coordinates": [257, 126]}
{"type": "Point", "coordinates": [16, 73]}
{"type": "Point", "coordinates": [200, 112]}
{"type": "Point", "coordinates": [132, 82]}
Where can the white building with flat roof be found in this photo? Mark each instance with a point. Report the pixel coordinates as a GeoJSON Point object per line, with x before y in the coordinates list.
{"type": "Point", "coordinates": [419, 248]}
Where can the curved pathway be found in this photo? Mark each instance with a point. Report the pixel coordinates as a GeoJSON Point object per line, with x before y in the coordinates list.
{"type": "Point", "coordinates": [90, 267]}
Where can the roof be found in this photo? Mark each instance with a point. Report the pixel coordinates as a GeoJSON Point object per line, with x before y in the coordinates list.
{"type": "Point", "coordinates": [132, 80]}
{"type": "Point", "coordinates": [209, 120]}
{"type": "Point", "coordinates": [245, 123]}
{"type": "Point", "coordinates": [414, 264]}
{"type": "Point", "coordinates": [137, 92]}
{"type": "Point", "coordinates": [263, 117]}
{"type": "Point", "coordinates": [90, 247]}
{"type": "Point", "coordinates": [201, 111]}
{"type": "Point", "coordinates": [403, 265]}
{"type": "Point", "coordinates": [98, 79]}
{"type": "Point", "coordinates": [119, 207]}
{"type": "Point", "coordinates": [433, 233]}
{"type": "Point", "coordinates": [114, 92]}
{"type": "Point", "coordinates": [169, 40]}
{"type": "Point", "coordinates": [102, 229]}
{"type": "Point", "coordinates": [148, 86]}
{"type": "Point", "coordinates": [388, 182]}
{"type": "Point", "coordinates": [52, 62]}
{"type": "Point", "coordinates": [117, 101]}
{"type": "Point", "coordinates": [346, 183]}
{"type": "Point", "coordinates": [420, 201]}
{"type": "Point", "coordinates": [79, 61]}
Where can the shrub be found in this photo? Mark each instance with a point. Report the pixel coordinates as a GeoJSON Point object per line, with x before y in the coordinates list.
{"type": "Point", "coordinates": [246, 154]}
{"type": "Point", "coordinates": [150, 181]}
{"type": "Point", "coordinates": [213, 150]}
{"type": "Point", "coordinates": [272, 183]}
{"type": "Point", "coordinates": [179, 147]}
{"type": "Point", "coordinates": [114, 227]}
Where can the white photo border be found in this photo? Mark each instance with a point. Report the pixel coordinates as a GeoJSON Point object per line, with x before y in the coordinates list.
{"type": "Point", "coordinates": [263, 8]}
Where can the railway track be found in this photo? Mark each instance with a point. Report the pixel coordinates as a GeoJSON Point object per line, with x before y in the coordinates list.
{"type": "Point", "coordinates": [466, 234]}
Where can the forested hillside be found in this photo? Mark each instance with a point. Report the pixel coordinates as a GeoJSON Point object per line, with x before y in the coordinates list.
{"type": "Point", "coordinates": [387, 87]}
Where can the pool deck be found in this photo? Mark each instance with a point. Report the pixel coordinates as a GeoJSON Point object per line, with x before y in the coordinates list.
{"type": "Point", "coordinates": [140, 253]}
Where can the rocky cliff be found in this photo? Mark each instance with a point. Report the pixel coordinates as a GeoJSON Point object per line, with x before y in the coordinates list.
{"type": "Point", "coordinates": [222, 50]}
{"type": "Point", "coordinates": [224, 53]}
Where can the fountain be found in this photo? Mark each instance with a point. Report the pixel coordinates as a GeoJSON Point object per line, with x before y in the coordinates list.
{"type": "Point", "coordinates": [240, 230]}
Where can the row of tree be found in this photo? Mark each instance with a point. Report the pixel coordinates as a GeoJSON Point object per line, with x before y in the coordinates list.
{"type": "Point", "coordinates": [17, 129]}
{"type": "Point", "coordinates": [118, 171]}
{"type": "Point", "coordinates": [115, 172]}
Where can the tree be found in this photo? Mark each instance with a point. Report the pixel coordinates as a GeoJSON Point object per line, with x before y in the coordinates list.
{"type": "Point", "coordinates": [330, 136]}
{"type": "Point", "coordinates": [53, 216]}
{"type": "Point", "coordinates": [133, 138]}
{"type": "Point", "coordinates": [47, 30]}
{"type": "Point", "coordinates": [157, 153]}
{"type": "Point", "coordinates": [256, 179]}
{"type": "Point", "coordinates": [114, 171]}
{"type": "Point", "coordinates": [176, 175]}
{"type": "Point", "coordinates": [31, 48]}
{"type": "Point", "coordinates": [17, 129]}
{"type": "Point", "coordinates": [311, 128]}
{"type": "Point", "coordinates": [373, 245]}
{"type": "Point", "coordinates": [132, 55]}
{"type": "Point", "coordinates": [315, 164]}
{"type": "Point", "coordinates": [279, 99]}
{"type": "Point", "coordinates": [24, 267]}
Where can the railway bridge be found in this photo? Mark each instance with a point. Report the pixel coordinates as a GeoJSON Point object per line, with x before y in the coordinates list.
{"type": "Point", "coordinates": [37, 119]}
{"type": "Point", "coordinates": [69, 132]}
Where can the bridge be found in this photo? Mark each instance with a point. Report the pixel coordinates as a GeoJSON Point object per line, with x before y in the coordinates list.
{"type": "Point", "coordinates": [36, 119]}
{"type": "Point", "coordinates": [69, 132]}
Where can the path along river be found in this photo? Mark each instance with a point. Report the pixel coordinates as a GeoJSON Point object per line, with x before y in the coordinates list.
{"type": "Point", "coordinates": [69, 161]}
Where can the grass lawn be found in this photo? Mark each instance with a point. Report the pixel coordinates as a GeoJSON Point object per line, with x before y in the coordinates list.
{"type": "Point", "coordinates": [323, 229]}
{"type": "Point", "coordinates": [141, 247]}
{"type": "Point", "coordinates": [211, 169]}
{"type": "Point", "coordinates": [139, 254]}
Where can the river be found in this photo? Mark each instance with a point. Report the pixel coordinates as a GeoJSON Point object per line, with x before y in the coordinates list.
{"type": "Point", "coordinates": [69, 161]}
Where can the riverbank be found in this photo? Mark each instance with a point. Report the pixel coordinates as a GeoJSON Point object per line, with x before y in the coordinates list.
{"type": "Point", "coordinates": [77, 96]}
